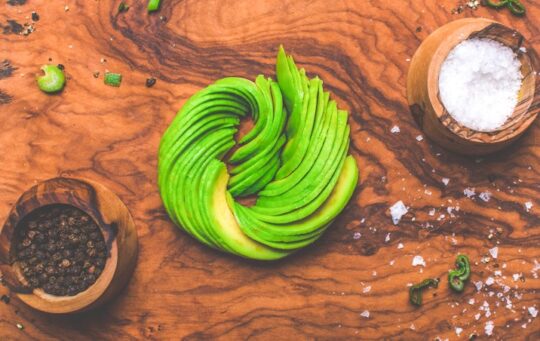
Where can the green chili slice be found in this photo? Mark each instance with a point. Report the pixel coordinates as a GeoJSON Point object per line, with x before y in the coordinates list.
{"type": "Point", "coordinates": [153, 5]}
{"type": "Point", "coordinates": [113, 79]}
{"type": "Point", "coordinates": [415, 292]}
{"type": "Point", "coordinates": [515, 6]}
{"type": "Point", "coordinates": [458, 277]}
{"type": "Point", "coordinates": [53, 80]}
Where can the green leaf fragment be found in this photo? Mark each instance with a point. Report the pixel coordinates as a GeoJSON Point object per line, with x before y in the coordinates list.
{"type": "Point", "coordinates": [53, 80]}
{"type": "Point", "coordinates": [153, 5]}
{"type": "Point", "coordinates": [415, 292]}
{"type": "Point", "coordinates": [113, 79]}
{"type": "Point", "coordinates": [123, 7]}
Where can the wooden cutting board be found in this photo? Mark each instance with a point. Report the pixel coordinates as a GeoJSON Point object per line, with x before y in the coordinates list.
{"type": "Point", "coordinates": [181, 289]}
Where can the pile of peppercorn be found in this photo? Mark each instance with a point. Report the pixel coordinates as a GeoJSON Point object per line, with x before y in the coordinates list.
{"type": "Point", "coordinates": [60, 249]}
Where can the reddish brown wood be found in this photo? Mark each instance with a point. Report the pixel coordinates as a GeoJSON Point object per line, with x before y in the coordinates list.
{"type": "Point", "coordinates": [181, 289]}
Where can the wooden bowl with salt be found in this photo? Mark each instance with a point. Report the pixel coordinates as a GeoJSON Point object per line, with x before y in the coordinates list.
{"type": "Point", "coordinates": [424, 97]}
{"type": "Point", "coordinates": [114, 222]}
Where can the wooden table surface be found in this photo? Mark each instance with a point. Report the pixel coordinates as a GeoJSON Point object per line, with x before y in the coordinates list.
{"type": "Point", "coordinates": [181, 289]}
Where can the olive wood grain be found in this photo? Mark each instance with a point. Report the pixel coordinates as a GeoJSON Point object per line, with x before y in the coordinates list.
{"type": "Point", "coordinates": [183, 290]}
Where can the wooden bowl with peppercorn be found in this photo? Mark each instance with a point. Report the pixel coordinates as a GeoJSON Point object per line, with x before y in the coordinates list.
{"type": "Point", "coordinates": [68, 245]}
{"type": "Point", "coordinates": [465, 130]}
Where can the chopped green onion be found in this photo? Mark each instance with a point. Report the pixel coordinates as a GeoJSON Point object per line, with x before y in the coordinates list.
{"type": "Point", "coordinates": [515, 6]}
{"type": "Point", "coordinates": [415, 292]}
{"type": "Point", "coordinates": [113, 79]}
{"type": "Point", "coordinates": [53, 80]}
{"type": "Point", "coordinates": [123, 7]}
{"type": "Point", "coordinates": [458, 277]}
{"type": "Point", "coordinates": [153, 5]}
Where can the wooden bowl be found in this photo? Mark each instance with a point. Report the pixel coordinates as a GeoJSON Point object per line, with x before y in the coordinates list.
{"type": "Point", "coordinates": [423, 88]}
{"type": "Point", "coordinates": [114, 221]}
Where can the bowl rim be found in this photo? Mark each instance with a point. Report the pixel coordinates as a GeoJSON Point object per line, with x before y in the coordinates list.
{"type": "Point", "coordinates": [26, 204]}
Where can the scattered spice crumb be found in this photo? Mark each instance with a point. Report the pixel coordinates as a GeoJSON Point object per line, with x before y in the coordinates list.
{"type": "Point", "coordinates": [16, 2]}
{"type": "Point", "coordinates": [96, 74]}
{"type": "Point", "coordinates": [6, 69]}
{"type": "Point", "coordinates": [35, 16]}
{"type": "Point", "coordinates": [419, 29]}
{"type": "Point", "coordinates": [5, 98]}
{"type": "Point", "coordinates": [66, 8]}
{"type": "Point", "coordinates": [150, 82]}
{"type": "Point", "coordinates": [123, 7]}
{"type": "Point", "coordinates": [5, 299]}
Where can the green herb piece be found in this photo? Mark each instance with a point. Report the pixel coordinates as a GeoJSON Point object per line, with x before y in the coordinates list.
{"type": "Point", "coordinates": [458, 277]}
{"type": "Point", "coordinates": [515, 6]}
{"type": "Point", "coordinates": [123, 7]}
{"type": "Point", "coordinates": [113, 79]}
{"type": "Point", "coordinates": [415, 292]}
{"type": "Point", "coordinates": [53, 80]}
{"type": "Point", "coordinates": [153, 5]}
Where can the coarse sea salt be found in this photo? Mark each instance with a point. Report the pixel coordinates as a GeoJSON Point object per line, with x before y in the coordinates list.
{"type": "Point", "coordinates": [397, 211]}
{"type": "Point", "coordinates": [479, 83]}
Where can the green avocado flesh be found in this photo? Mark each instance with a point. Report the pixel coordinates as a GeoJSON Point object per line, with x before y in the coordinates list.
{"type": "Point", "coordinates": [294, 160]}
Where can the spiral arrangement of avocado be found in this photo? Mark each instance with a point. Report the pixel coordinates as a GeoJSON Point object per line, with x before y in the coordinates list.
{"type": "Point", "coordinates": [294, 160]}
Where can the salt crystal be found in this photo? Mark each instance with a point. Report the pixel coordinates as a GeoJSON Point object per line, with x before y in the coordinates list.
{"type": "Point", "coordinates": [392, 262]}
{"type": "Point", "coordinates": [397, 211]}
{"type": "Point", "coordinates": [400, 246]}
{"type": "Point", "coordinates": [528, 206]}
{"type": "Point", "coordinates": [395, 130]}
{"type": "Point", "coordinates": [366, 289]}
{"type": "Point", "coordinates": [418, 260]}
{"type": "Point", "coordinates": [494, 252]}
{"type": "Point", "coordinates": [469, 192]}
{"type": "Point", "coordinates": [365, 314]}
{"type": "Point", "coordinates": [479, 83]}
{"type": "Point", "coordinates": [459, 331]}
{"type": "Point", "coordinates": [387, 239]}
{"type": "Point", "coordinates": [357, 235]}
{"type": "Point", "coordinates": [485, 196]}
{"type": "Point", "coordinates": [471, 301]}
{"type": "Point", "coordinates": [431, 212]}
{"type": "Point", "coordinates": [489, 328]}
{"type": "Point", "coordinates": [533, 311]}
{"type": "Point", "coordinates": [419, 138]}
{"type": "Point", "coordinates": [490, 281]}
{"type": "Point", "coordinates": [445, 181]}
{"type": "Point", "coordinates": [515, 277]}
{"type": "Point", "coordinates": [478, 285]}
{"type": "Point", "coordinates": [412, 326]}
{"type": "Point", "coordinates": [477, 316]}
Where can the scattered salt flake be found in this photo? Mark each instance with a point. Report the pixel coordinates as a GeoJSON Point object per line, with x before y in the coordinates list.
{"type": "Point", "coordinates": [477, 316]}
{"type": "Point", "coordinates": [387, 238]}
{"type": "Point", "coordinates": [445, 181]}
{"type": "Point", "coordinates": [365, 314]}
{"type": "Point", "coordinates": [392, 262]}
{"type": "Point", "coordinates": [485, 196]}
{"type": "Point", "coordinates": [366, 289]}
{"type": "Point", "coordinates": [490, 281]}
{"type": "Point", "coordinates": [418, 260]}
{"type": "Point", "coordinates": [523, 49]}
{"type": "Point", "coordinates": [497, 273]}
{"type": "Point", "coordinates": [357, 235]}
{"type": "Point", "coordinates": [431, 212]}
{"type": "Point", "coordinates": [419, 138]}
{"type": "Point", "coordinates": [400, 246]}
{"type": "Point", "coordinates": [395, 130]}
{"type": "Point", "coordinates": [459, 331]}
{"type": "Point", "coordinates": [494, 252]}
{"type": "Point", "coordinates": [524, 325]}
{"type": "Point", "coordinates": [412, 326]}
{"type": "Point", "coordinates": [469, 192]}
{"type": "Point", "coordinates": [471, 301]}
{"type": "Point", "coordinates": [374, 273]}
{"type": "Point", "coordinates": [528, 206]}
{"type": "Point", "coordinates": [489, 328]}
{"type": "Point", "coordinates": [533, 311]}
{"type": "Point", "coordinates": [515, 277]}
{"type": "Point", "coordinates": [478, 285]}
{"type": "Point", "coordinates": [397, 211]}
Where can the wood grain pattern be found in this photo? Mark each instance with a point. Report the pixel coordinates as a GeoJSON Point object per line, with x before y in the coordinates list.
{"type": "Point", "coordinates": [180, 289]}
